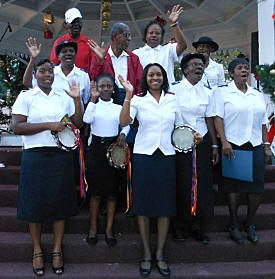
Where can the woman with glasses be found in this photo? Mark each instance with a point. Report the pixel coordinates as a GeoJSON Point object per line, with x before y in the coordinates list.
{"type": "Point", "coordinates": [197, 110]}
{"type": "Point", "coordinates": [165, 55]}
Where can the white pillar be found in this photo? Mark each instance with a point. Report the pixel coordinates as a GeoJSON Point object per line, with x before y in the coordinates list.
{"type": "Point", "coordinates": [266, 31]}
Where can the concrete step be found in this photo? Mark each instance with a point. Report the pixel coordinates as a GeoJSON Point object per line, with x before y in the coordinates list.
{"type": "Point", "coordinates": [10, 175]}
{"type": "Point", "coordinates": [226, 270]}
{"type": "Point", "coordinates": [265, 220]}
{"type": "Point", "coordinates": [17, 247]}
{"type": "Point", "coordinates": [11, 156]}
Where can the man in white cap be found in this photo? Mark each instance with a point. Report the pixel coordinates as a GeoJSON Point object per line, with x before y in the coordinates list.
{"type": "Point", "coordinates": [74, 25]}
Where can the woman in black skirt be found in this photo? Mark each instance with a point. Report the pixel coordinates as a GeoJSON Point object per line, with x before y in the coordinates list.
{"type": "Point", "coordinates": [103, 179]}
{"type": "Point", "coordinates": [47, 184]}
{"type": "Point", "coordinates": [241, 123]}
{"type": "Point", "coordinates": [153, 177]}
{"type": "Point", "coordinates": [197, 110]}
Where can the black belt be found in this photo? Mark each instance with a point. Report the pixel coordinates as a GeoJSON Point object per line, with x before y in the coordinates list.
{"type": "Point", "coordinates": [103, 140]}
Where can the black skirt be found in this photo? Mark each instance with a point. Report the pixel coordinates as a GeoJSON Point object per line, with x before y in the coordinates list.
{"type": "Point", "coordinates": [184, 171]}
{"type": "Point", "coordinates": [154, 185]}
{"type": "Point", "coordinates": [47, 190]}
{"type": "Point", "coordinates": [230, 185]}
{"type": "Point", "coordinates": [103, 179]}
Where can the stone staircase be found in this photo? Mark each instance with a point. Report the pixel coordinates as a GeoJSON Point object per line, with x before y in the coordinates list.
{"type": "Point", "coordinates": [222, 258]}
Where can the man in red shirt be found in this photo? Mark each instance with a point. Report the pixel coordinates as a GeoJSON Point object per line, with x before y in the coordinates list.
{"type": "Point", "coordinates": [74, 25]}
{"type": "Point", "coordinates": [117, 60]}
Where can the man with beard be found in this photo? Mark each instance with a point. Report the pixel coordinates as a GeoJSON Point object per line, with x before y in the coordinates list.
{"type": "Point", "coordinates": [74, 25]}
{"type": "Point", "coordinates": [213, 72]}
{"type": "Point", "coordinates": [117, 60]}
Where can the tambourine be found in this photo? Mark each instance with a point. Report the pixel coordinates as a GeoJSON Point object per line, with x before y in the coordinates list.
{"type": "Point", "coordinates": [183, 138]}
{"type": "Point", "coordinates": [118, 156]}
{"type": "Point", "coordinates": [68, 139]}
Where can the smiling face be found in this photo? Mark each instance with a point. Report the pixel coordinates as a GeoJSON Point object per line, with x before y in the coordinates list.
{"type": "Point", "coordinates": [154, 78]}
{"type": "Point", "coordinates": [45, 76]}
{"type": "Point", "coordinates": [66, 56]}
{"type": "Point", "coordinates": [75, 27]}
{"type": "Point", "coordinates": [105, 88]}
{"type": "Point", "coordinates": [194, 70]}
{"type": "Point", "coordinates": [153, 36]}
{"type": "Point", "coordinates": [240, 73]}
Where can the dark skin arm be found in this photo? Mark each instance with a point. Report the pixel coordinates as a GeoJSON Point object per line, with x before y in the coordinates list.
{"type": "Point", "coordinates": [212, 132]}
{"type": "Point", "coordinates": [267, 151]}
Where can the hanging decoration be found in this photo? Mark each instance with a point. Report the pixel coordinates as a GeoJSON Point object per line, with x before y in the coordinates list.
{"type": "Point", "coordinates": [266, 76]}
{"type": "Point", "coordinates": [106, 12]}
{"type": "Point", "coordinates": [48, 19]}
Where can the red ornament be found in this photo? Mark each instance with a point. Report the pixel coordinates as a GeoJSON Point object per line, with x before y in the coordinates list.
{"type": "Point", "coordinates": [48, 34]}
{"type": "Point", "coordinates": [273, 16]}
{"type": "Point", "coordinates": [161, 21]}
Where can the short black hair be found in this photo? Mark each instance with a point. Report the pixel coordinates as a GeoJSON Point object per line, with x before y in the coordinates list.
{"type": "Point", "coordinates": [144, 84]}
{"type": "Point", "coordinates": [150, 23]}
{"type": "Point", "coordinates": [41, 62]}
{"type": "Point", "coordinates": [235, 62]}
{"type": "Point", "coordinates": [185, 60]}
{"type": "Point", "coordinates": [116, 90]}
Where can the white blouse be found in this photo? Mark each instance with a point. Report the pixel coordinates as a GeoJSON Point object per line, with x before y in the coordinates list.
{"type": "Point", "coordinates": [40, 108]}
{"type": "Point", "coordinates": [104, 119]}
{"type": "Point", "coordinates": [243, 114]}
{"type": "Point", "coordinates": [165, 55]}
{"type": "Point", "coordinates": [156, 122]}
{"type": "Point", "coordinates": [196, 103]}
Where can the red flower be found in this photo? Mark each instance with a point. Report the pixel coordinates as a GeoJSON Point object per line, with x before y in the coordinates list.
{"type": "Point", "coordinates": [273, 16]}
{"type": "Point", "coordinates": [161, 21]}
{"type": "Point", "coordinates": [256, 76]}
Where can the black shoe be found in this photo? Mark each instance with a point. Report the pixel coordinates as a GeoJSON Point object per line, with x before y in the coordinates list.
{"type": "Point", "coordinates": [235, 235]}
{"type": "Point", "coordinates": [58, 270]}
{"type": "Point", "coordinates": [178, 235]}
{"type": "Point", "coordinates": [145, 271]}
{"type": "Point", "coordinates": [163, 271]}
{"type": "Point", "coordinates": [251, 234]}
{"type": "Point", "coordinates": [111, 241]}
{"type": "Point", "coordinates": [92, 240]}
{"type": "Point", "coordinates": [38, 271]}
{"type": "Point", "coordinates": [200, 236]}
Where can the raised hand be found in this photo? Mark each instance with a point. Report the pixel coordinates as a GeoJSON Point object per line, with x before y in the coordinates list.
{"type": "Point", "coordinates": [174, 15]}
{"type": "Point", "coordinates": [126, 84]}
{"type": "Point", "coordinates": [93, 91]}
{"type": "Point", "coordinates": [33, 49]}
{"type": "Point", "coordinates": [74, 90]}
{"type": "Point", "coordinates": [99, 51]}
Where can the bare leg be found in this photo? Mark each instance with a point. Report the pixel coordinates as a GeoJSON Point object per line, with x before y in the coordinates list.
{"type": "Point", "coordinates": [94, 206]}
{"type": "Point", "coordinates": [163, 226]}
{"type": "Point", "coordinates": [233, 204]}
{"type": "Point", "coordinates": [254, 200]}
{"type": "Point", "coordinates": [35, 230]}
{"type": "Point", "coordinates": [58, 230]}
{"type": "Point", "coordinates": [144, 229]}
{"type": "Point", "coordinates": [110, 216]}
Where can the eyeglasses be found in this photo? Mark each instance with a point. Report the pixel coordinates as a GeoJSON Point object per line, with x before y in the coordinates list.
{"type": "Point", "coordinates": [127, 35]}
{"type": "Point", "coordinates": [195, 64]}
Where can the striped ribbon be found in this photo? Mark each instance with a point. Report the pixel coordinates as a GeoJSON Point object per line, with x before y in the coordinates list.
{"type": "Point", "coordinates": [194, 183]}
{"type": "Point", "coordinates": [129, 188]}
{"type": "Point", "coordinates": [83, 181]}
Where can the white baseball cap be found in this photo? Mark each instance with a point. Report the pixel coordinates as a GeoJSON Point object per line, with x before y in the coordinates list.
{"type": "Point", "coordinates": [72, 14]}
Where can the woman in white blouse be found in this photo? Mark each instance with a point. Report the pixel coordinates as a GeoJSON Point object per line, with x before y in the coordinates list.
{"type": "Point", "coordinates": [241, 124]}
{"type": "Point", "coordinates": [153, 178]}
{"type": "Point", "coordinates": [104, 180]}
{"type": "Point", "coordinates": [168, 54]}
{"type": "Point", "coordinates": [47, 183]}
{"type": "Point", "coordinates": [197, 110]}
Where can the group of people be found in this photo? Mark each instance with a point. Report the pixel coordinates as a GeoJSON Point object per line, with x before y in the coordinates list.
{"type": "Point", "coordinates": [112, 89]}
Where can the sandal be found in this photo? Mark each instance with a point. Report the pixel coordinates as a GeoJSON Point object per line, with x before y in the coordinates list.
{"type": "Point", "coordinates": [145, 271]}
{"type": "Point", "coordinates": [58, 270]}
{"type": "Point", "coordinates": [38, 271]}
{"type": "Point", "coordinates": [163, 271]}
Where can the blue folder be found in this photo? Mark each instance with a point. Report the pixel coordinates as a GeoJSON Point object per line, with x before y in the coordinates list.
{"type": "Point", "coordinates": [239, 168]}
